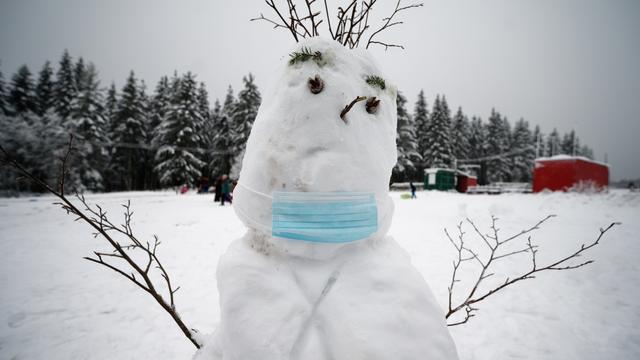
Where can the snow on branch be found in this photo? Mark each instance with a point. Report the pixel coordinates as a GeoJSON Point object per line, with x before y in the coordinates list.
{"type": "Point", "coordinates": [496, 251]}
{"type": "Point", "coordinates": [121, 258]}
{"type": "Point", "coordinates": [351, 22]}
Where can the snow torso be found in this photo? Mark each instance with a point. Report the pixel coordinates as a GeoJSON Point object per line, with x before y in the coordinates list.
{"type": "Point", "coordinates": [366, 302]}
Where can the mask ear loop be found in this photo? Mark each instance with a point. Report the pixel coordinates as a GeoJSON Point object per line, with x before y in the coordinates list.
{"type": "Point", "coordinates": [254, 191]}
{"type": "Point", "coordinates": [247, 217]}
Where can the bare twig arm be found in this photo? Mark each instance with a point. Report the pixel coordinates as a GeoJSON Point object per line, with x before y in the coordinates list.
{"type": "Point", "coordinates": [97, 219]}
{"type": "Point", "coordinates": [472, 297]}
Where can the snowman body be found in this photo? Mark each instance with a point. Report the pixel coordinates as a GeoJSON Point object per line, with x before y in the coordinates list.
{"type": "Point", "coordinates": [289, 299]}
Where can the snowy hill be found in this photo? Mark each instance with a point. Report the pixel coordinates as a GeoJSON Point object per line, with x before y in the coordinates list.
{"type": "Point", "coordinates": [55, 305]}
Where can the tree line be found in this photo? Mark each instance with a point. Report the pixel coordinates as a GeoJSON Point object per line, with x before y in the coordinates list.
{"type": "Point", "coordinates": [124, 139]}
{"type": "Point", "coordinates": [499, 151]}
{"type": "Point", "coordinates": [128, 139]}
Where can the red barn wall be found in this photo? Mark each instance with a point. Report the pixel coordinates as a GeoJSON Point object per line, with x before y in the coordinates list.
{"type": "Point", "coordinates": [562, 174]}
{"type": "Point", "coordinates": [464, 182]}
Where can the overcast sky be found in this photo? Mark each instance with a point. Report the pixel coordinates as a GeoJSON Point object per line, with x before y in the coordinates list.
{"type": "Point", "coordinates": [565, 64]}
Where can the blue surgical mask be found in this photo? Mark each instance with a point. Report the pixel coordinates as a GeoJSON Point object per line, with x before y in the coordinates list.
{"type": "Point", "coordinates": [324, 217]}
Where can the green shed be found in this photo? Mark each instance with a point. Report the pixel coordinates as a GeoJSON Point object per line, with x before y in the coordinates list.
{"type": "Point", "coordinates": [439, 179]}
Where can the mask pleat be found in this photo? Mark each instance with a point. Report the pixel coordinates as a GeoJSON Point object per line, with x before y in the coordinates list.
{"type": "Point", "coordinates": [324, 217]}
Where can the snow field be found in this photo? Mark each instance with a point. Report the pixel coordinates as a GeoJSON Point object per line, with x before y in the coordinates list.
{"type": "Point", "coordinates": [55, 305]}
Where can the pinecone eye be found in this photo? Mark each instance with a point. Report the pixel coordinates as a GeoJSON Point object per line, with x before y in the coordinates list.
{"type": "Point", "coordinates": [372, 105]}
{"type": "Point", "coordinates": [315, 85]}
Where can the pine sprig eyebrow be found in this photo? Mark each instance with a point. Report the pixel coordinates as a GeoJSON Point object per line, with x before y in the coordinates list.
{"type": "Point", "coordinates": [376, 81]}
{"type": "Point", "coordinates": [305, 54]}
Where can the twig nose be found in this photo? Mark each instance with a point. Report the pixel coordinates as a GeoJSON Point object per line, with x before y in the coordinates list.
{"type": "Point", "coordinates": [348, 107]}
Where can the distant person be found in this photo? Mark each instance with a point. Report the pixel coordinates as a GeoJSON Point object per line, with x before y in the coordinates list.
{"type": "Point", "coordinates": [413, 190]}
{"type": "Point", "coordinates": [632, 186]}
{"type": "Point", "coordinates": [204, 185]}
{"type": "Point", "coordinates": [218, 189]}
{"type": "Point", "coordinates": [184, 189]}
{"type": "Point", "coordinates": [225, 190]}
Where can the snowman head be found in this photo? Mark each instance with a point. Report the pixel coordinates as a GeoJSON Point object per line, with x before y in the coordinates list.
{"type": "Point", "coordinates": [301, 143]}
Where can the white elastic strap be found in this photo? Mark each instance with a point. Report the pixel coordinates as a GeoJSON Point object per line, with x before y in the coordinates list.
{"type": "Point", "coordinates": [255, 191]}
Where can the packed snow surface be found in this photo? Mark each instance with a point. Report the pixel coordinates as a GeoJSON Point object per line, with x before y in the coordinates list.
{"type": "Point", "coordinates": [54, 305]}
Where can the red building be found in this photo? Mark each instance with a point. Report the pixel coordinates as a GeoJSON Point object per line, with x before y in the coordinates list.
{"type": "Point", "coordinates": [562, 172]}
{"type": "Point", "coordinates": [465, 181]}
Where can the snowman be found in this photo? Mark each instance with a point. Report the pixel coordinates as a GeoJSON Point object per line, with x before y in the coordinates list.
{"type": "Point", "coordinates": [316, 276]}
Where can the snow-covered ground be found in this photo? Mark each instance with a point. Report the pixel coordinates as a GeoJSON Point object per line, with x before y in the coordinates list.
{"type": "Point", "coordinates": [55, 305]}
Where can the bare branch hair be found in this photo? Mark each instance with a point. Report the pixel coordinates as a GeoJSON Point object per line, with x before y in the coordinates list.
{"type": "Point", "coordinates": [352, 21]}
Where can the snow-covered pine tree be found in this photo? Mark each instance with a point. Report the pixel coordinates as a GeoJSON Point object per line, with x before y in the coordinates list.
{"type": "Point", "coordinates": [148, 176]}
{"type": "Point", "coordinates": [174, 84]}
{"type": "Point", "coordinates": [577, 147]}
{"type": "Point", "coordinates": [553, 143]}
{"type": "Point", "coordinates": [207, 128]}
{"type": "Point", "coordinates": [130, 135]}
{"type": "Point", "coordinates": [111, 108]}
{"type": "Point", "coordinates": [79, 73]}
{"type": "Point", "coordinates": [19, 139]}
{"type": "Point", "coordinates": [212, 130]}
{"type": "Point", "coordinates": [23, 130]}
{"type": "Point", "coordinates": [524, 158]}
{"type": "Point", "coordinates": [587, 152]}
{"type": "Point", "coordinates": [45, 92]}
{"type": "Point", "coordinates": [223, 155]}
{"type": "Point", "coordinates": [478, 147]}
{"type": "Point", "coordinates": [537, 142]}
{"type": "Point", "coordinates": [3, 96]}
{"type": "Point", "coordinates": [477, 138]}
{"type": "Point", "coordinates": [87, 122]}
{"type": "Point", "coordinates": [407, 145]}
{"type": "Point", "coordinates": [160, 103]}
{"type": "Point", "coordinates": [568, 144]}
{"type": "Point", "coordinates": [243, 115]}
{"type": "Point", "coordinates": [508, 170]}
{"type": "Point", "coordinates": [203, 102]}
{"type": "Point", "coordinates": [205, 112]}
{"type": "Point", "coordinates": [181, 137]}
{"type": "Point", "coordinates": [460, 135]}
{"type": "Point", "coordinates": [216, 113]}
{"type": "Point", "coordinates": [408, 157]}
{"type": "Point", "coordinates": [438, 139]}
{"type": "Point", "coordinates": [65, 86]}
{"type": "Point", "coordinates": [110, 179]}
{"type": "Point", "coordinates": [22, 99]}
{"type": "Point", "coordinates": [498, 168]}
{"type": "Point", "coordinates": [421, 120]}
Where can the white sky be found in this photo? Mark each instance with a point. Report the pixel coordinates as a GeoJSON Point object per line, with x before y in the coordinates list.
{"type": "Point", "coordinates": [570, 64]}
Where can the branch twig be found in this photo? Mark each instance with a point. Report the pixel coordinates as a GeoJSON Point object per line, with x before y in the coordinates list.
{"type": "Point", "coordinates": [97, 218]}
{"type": "Point", "coordinates": [352, 21]}
{"type": "Point", "coordinates": [348, 107]}
{"type": "Point", "coordinates": [465, 253]}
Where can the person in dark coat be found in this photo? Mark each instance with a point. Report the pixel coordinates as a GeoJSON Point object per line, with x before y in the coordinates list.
{"type": "Point", "coordinates": [413, 190]}
{"type": "Point", "coordinates": [225, 190]}
{"type": "Point", "coordinates": [218, 189]}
